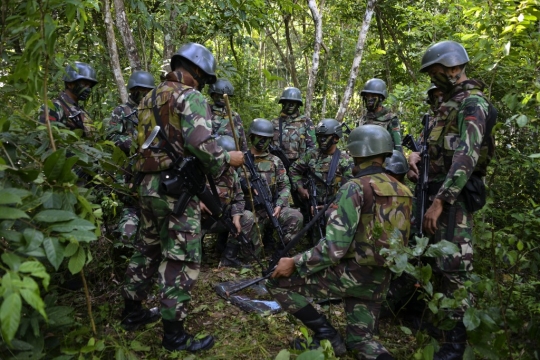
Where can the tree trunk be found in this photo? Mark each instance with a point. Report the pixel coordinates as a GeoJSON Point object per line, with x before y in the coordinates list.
{"type": "Point", "coordinates": [127, 36]}
{"type": "Point", "coordinates": [356, 61]}
{"type": "Point", "coordinates": [383, 48]}
{"type": "Point", "coordinates": [168, 46]}
{"type": "Point", "coordinates": [113, 53]}
{"type": "Point", "coordinates": [291, 59]}
{"type": "Point", "coordinates": [317, 20]}
{"type": "Point", "coordinates": [280, 51]}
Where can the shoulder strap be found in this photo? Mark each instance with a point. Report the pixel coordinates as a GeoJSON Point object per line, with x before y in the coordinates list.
{"type": "Point", "coordinates": [333, 167]}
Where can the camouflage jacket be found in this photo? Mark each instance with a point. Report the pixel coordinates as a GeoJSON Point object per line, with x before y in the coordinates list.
{"type": "Point", "coordinates": [456, 143]}
{"type": "Point", "coordinates": [221, 126]}
{"type": "Point", "coordinates": [387, 120]}
{"type": "Point", "coordinates": [69, 113]}
{"type": "Point", "coordinates": [298, 135]}
{"type": "Point", "coordinates": [230, 191]}
{"type": "Point", "coordinates": [271, 169]}
{"type": "Point", "coordinates": [319, 163]}
{"type": "Point", "coordinates": [185, 118]}
{"type": "Point", "coordinates": [122, 127]}
{"type": "Point", "coordinates": [367, 212]}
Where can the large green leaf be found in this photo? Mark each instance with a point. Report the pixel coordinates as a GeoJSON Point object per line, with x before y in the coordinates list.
{"type": "Point", "coordinates": [33, 237]}
{"type": "Point", "coordinates": [81, 236]}
{"type": "Point", "coordinates": [35, 268]}
{"type": "Point", "coordinates": [54, 164]}
{"type": "Point", "coordinates": [471, 320]}
{"type": "Point", "coordinates": [51, 216]}
{"type": "Point", "coordinates": [71, 249]}
{"type": "Point", "coordinates": [76, 262]}
{"type": "Point", "coordinates": [54, 251]}
{"type": "Point", "coordinates": [34, 300]}
{"type": "Point", "coordinates": [75, 224]}
{"type": "Point", "coordinates": [67, 175]}
{"type": "Point", "coordinates": [10, 316]}
{"type": "Point", "coordinates": [12, 213]}
{"type": "Point", "coordinates": [9, 197]}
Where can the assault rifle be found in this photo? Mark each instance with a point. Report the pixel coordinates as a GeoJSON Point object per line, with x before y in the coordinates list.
{"type": "Point", "coordinates": [347, 130]}
{"type": "Point", "coordinates": [421, 189]}
{"type": "Point", "coordinates": [262, 194]}
{"type": "Point", "coordinates": [278, 151]}
{"type": "Point", "coordinates": [132, 117]}
{"type": "Point", "coordinates": [312, 190]}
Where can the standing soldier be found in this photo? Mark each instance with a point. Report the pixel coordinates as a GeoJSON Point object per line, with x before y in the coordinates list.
{"type": "Point", "coordinates": [271, 170]}
{"type": "Point", "coordinates": [220, 119]}
{"type": "Point", "coordinates": [460, 147]}
{"type": "Point", "coordinates": [78, 81]}
{"type": "Point", "coordinates": [373, 95]}
{"type": "Point", "coordinates": [170, 243]}
{"type": "Point", "coordinates": [368, 211]}
{"type": "Point", "coordinates": [122, 129]}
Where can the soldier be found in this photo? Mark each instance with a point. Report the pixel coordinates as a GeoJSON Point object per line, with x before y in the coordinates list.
{"type": "Point", "coordinates": [122, 129]}
{"type": "Point", "coordinates": [396, 166]}
{"type": "Point", "coordinates": [460, 147]}
{"type": "Point", "coordinates": [220, 119]}
{"type": "Point", "coordinates": [271, 169]}
{"type": "Point", "coordinates": [434, 98]}
{"type": "Point", "coordinates": [78, 82]}
{"type": "Point", "coordinates": [373, 95]}
{"type": "Point", "coordinates": [170, 243]}
{"type": "Point", "coordinates": [232, 200]}
{"type": "Point", "coordinates": [367, 211]}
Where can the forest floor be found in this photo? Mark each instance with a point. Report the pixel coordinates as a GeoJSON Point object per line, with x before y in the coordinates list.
{"type": "Point", "coordinates": [239, 335]}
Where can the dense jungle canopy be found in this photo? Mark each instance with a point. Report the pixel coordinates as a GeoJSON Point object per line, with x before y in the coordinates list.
{"type": "Point", "coordinates": [50, 228]}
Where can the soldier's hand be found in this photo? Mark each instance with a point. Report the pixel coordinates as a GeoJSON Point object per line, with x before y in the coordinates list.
{"type": "Point", "coordinates": [236, 158]}
{"type": "Point", "coordinates": [204, 209]}
{"type": "Point", "coordinates": [414, 158]}
{"type": "Point", "coordinates": [284, 268]}
{"type": "Point", "coordinates": [236, 222]}
{"type": "Point", "coordinates": [303, 193]}
{"type": "Point", "coordinates": [432, 215]}
{"type": "Point", "coordinates": [277, 211]}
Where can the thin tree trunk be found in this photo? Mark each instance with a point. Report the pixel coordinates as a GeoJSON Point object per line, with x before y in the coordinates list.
{"type": "Point", "coordinates": [383, 48]}
{"type": "Point", "coordinates": [291, 59]}
{"type": "Point", "coordinates": [113, 53]}
{"type": "Point", "coordinates": [125, 30]}
{"type": "Point", "coordinates": [280, 51]}
{"type": "Point", "coordinates": [317, 20]}
{"type": "Point", "coordinates": [356, 61]}
{"type": "Point", "coordinates": [168, 46]}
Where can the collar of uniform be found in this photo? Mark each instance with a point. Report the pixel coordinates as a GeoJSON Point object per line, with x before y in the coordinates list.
{"type": "Point", "coordinates": [378, 114]}
{"type": "Point", "coordinates": [217, 109]}
{"type": "Point", "coordinates": [288, 117]}
{"type": "Point", "coordinates": [132, 104]}
{"type": "Point", "coordinates": [467, 85]}
{"type": "Point", "coordinates": [261, 155]}
{"type": "Point", "coordinates": [175, 76]}
{"type": "Point", "coordinates": [67, 99]}
{"type": "Point", "coordinates": [369, 163]}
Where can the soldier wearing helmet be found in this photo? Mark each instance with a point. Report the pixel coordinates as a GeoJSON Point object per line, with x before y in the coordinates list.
{"type": "Point", "coordinates": [328, 165]}
{"type": "Point", "coordinates": [373, 94]}
{"type": "Point", "coordinates": [169, 243]}
{"type": "Point", "coordinates": [460, 145]}
{"type": "Point", "coordinates": [367, 212]}
{"type": "Point", "coordinates": [220, 118]}
{"type": "Point", "coordinates": [79, 79]}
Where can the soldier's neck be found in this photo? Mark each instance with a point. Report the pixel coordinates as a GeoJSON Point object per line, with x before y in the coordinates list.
{"type": "Point", "coordinates": [72, 95]}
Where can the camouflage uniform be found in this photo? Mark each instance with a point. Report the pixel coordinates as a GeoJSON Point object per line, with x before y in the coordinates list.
{"type": "Point", "coordinates": [298, 135]}
{"type": "Point", "coordinates": [387, 120]}
{"type": "Point", "coordinates": [271, 169]}
{"type": "Point", "coordinates": [319, 163]}
{"type": "Point", "coordinates": [171, 244]}
{"type": "Point", "coordinates": [221, 126]}
{"type": "Point", "coordinates": [366, 213]}
{"type": "Point", "coordinates": [458, 149]}
{"type": "Point", "coordinates": [69, 113]}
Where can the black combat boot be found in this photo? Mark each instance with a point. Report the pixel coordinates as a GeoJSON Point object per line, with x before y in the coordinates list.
{"type": "Point", "coordinates": [134, 315]}
{"type": "Point", "coordinates": [454, 347]}
{"type": "Point", "coordinates": [176, 339]}
{"type": "Point", "coordinates": [322, 329]}
{"type": "Point", "coordinates": [229, 258]}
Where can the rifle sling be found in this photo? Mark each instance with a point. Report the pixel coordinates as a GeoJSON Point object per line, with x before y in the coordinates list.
{"type": "Point", "coordinates": [333, 167]}
{"type": "Point", "coordinates": [280, 133]}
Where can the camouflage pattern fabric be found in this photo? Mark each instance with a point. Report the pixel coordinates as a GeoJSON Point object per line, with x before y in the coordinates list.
{"type": "Point", "coordinates": [122, 129]}
{"type": "Point", "coordinates": [222, 126]}
{"type": "Point", "coordinates": [291, 221]}
{"type": "Point", "coordinates": [298, 134]}
{"type": "Point", "coordinates": [319, 163]}
{"type": "Point", "coordinates": [366, 213]}
{"type": "Point", "coordinates": [387, 120]}
{"type": "Point", "coordinates": [127, 226]}
{"type": "Point", "coordinates": [69, 113]}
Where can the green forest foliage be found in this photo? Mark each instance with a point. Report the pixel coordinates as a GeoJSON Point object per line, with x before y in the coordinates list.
{"type": "Point", "coordinates": [49, 225]}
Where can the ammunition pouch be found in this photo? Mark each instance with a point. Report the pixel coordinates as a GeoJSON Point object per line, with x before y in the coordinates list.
{"type": "Point", "coordinates": [474, 193]}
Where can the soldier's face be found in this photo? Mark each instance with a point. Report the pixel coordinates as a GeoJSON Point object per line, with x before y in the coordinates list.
{"type": "Point", "coordinates": [218, 100]}
{"type": "Point", "coordinates": [372, 101]}
{"type": "Point", "coordinates": [82, 89]}
{"type": "Point", "coordinates": [137, 93]}
{"type": "Point", "coordinates": [260, 143]}
{"type": "Point", "coordinates": [444, 77]}
{"type": "Point", "coordinates": [325, 142]}
{"type": "Point", "coordinates": [290, 107]}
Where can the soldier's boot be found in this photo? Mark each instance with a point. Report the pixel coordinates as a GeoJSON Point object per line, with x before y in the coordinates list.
{"type": "Point", "coordinates": [176, 339]}
{"type": "Point", "coordinates": [230, 256]}
{"type": "Point", "coordinates": [134, 315]}
{"type": "Point", "coordinates": [456, 342]}
{"type": "Point", "coordinates": [221, 241]}
{"type": "Point", "coordinates": [322, 329]}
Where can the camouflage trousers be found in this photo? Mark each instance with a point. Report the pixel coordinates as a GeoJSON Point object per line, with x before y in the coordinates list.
{"type": "Point", "coordinates": [127, 226]}
{"type": "Point", "coordinates": [291, 221]}
{"type": "Point", "coordinates": [362, 288]}
{"type": "Point", "coordinates": [168, 247]}
{"type": "Point", "coordinates": [246, 222]}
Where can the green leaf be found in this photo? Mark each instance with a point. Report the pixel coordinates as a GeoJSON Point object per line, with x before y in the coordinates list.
{"type": "Point", "coordinates": [119, 354]}
{"type": "Point", "coordinates": [406, 330]}
{"type": "Point", "coordinates": [441, 248]}
{"type": "Point", "coordinates": [34, 238]}
{"type": "Point", "coordinates": [54, 164]}
{"type": "Point", "coordinates": [51, 216]}
{"type": "Point", "coordinates": [54, 251]}
{"type": "Point", "coordinates": [469, 353]}
{"type": "Point", "coordinates": [8, 197]}
{"type": "Point", "coordinates": [12, 213]}
{"type": "Point", "coordinates": [471, 320]}
{"type": "Point", "coordinates": [311, 355]}
{"type": "Point", "coordinates": [36, 269]}
{"type": "Point", "coordinates": [283, 355]}
{"type": "Point", "coordinates": [67, 175]}
{"type": "Point", "coordinates": [137, 346]}
{"type": "Point", "coordinates": [522, 120]}
{"type": "Point", "coordinates": [34, 300]}
{"type": "Point", "coordinates": [81, 236]}
{"type": "Point", "coordinates": [76, 262]}
{"type": "Point", "coordinates": [71, 249]}
{"type": "Point", "coordinates": [11, 260]}
{"type": "Point", "coordinates": [20, 345]}
{"type": "Point", "coordinates": [535, 156]}
{"type": "Point", "coordinates": [520, 245]}
{"type": "Point", "coordinates": [10, 316]}
{"type": "Point", "coordinates": [428, 352]}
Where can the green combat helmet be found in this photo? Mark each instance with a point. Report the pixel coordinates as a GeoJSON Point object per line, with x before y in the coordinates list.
{"type": "Point", "coordinates": [81, 71]}
{"type": "Point", "coordinates": [370, 140]}
{"type": "Point", "coordinates": [329, 127]}
{"type": "Point", "coordinates": [291, 94]}
{"type": "Point", "coordinates": [261, 127]}
{"type": "Point", "coordinates": [226, 142]}
{"type": "Point", "coordinates": [141, 79]}
{"type": "Point", "coordinates": [222, 86]}
{"type": "Point", "coordinates": [446, 53]}
{"type": "Point", "coordinates": [199, 56]}
{"type": "Point", "coordinates": [396, 164]}
{"type": "Point", "coordinates": [375, 86]}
